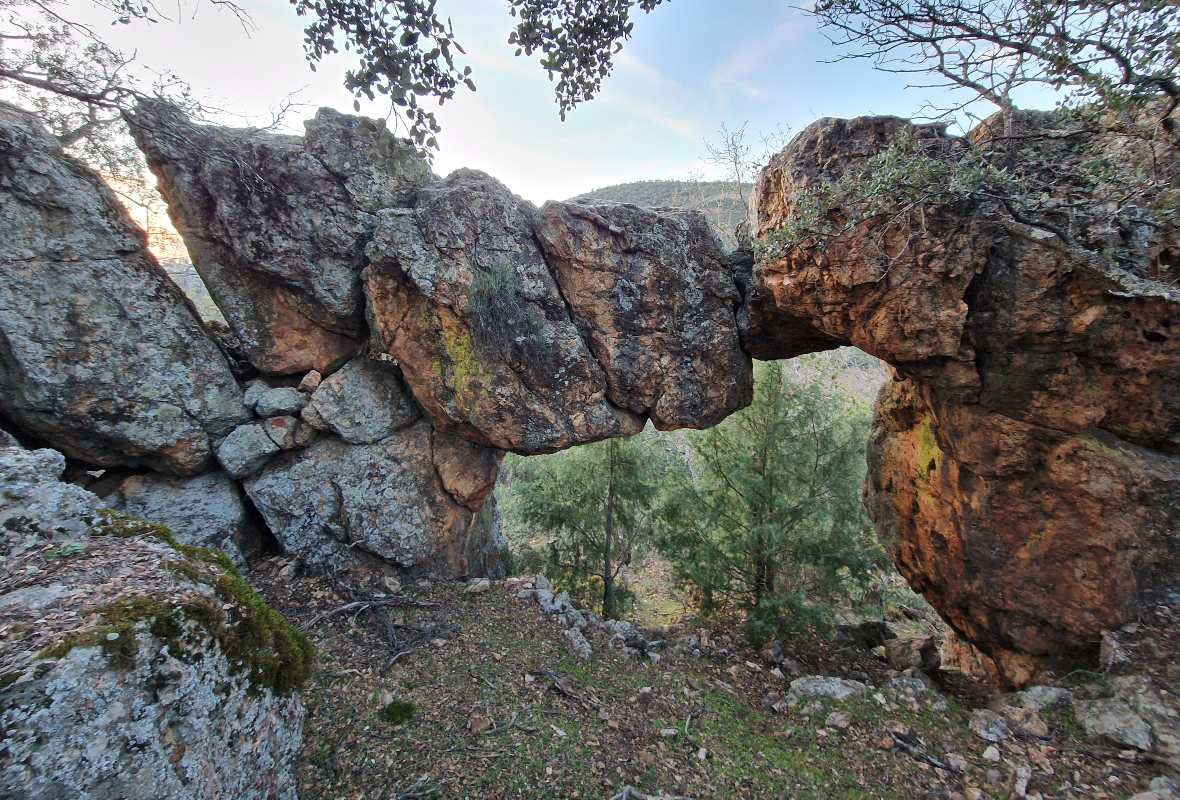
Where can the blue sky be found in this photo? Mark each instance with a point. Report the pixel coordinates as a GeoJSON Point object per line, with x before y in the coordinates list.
{"type": "Point", "coordinates": [691, 66]}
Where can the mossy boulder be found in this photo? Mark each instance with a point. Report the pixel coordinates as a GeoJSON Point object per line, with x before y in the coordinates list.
{"type": "Point", "coordinates": [133, 666]}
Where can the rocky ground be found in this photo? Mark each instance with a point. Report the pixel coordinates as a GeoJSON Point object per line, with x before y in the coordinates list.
{"type": "Point", "coordinates": [488, 700]}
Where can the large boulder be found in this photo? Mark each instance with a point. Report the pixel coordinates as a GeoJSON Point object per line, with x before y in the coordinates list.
{"type": "Point", "coordinates": [1030, 541]}
{"type": "Point", "coordinates": [1139, 713]}
{"type": "Point", "coordinates": [894, 287]}
{"type": "Point", "coordinates": [412, 498]}
{"type": "Point", "coordinates": [1024, 467]}
{"type": "Point", "coordinates": [276, 225]}
{"type": "Point", "coordinates": [460, 295]}
{"type": "Point", "coordinates": [144, 669]}
{"type": "Point", "coordinates": [206, 510]}
{"type": "Point", "coordinates": [653, 295]}
{"type": "Point", "coordinates": [102, 355]}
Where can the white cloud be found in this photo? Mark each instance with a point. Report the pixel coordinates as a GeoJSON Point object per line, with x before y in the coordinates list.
{"type": "Point", "coordinates": [750, 59]}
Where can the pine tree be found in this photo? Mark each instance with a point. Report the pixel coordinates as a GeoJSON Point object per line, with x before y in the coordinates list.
{"type": "Point", "coordinates": [596, 501]}
{"type": "Point", "coordinates": [770, 517]}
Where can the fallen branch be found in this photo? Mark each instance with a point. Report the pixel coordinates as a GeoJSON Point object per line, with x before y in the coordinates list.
{"type": "Point", "coordinates": [631, 793]}
{"type": "Point", "coordinates": [918, 752]}
{"type": "Point", "coordinates": [359, 606]}
{"type": "Point", "coordinates": [562, 687]}
{"type": "Point", "coordinates": [421, 789]}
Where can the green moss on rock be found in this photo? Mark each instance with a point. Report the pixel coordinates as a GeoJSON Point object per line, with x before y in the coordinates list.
{"type": "Point", "coordinates": [254, 637]}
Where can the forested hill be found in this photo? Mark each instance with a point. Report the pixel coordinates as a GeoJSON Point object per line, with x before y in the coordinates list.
{"type": "Point", "coordinates": [719, 199]}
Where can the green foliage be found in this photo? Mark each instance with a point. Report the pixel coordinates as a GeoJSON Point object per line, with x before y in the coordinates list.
{"type": "Point", "coordinates": [907, 174]}
{"type": "Point", "coordinates": [494, 304]}
{"type": "Point", "coordinates": [595, 502]}
{"type": "Point", "coordinates": [769, 517]}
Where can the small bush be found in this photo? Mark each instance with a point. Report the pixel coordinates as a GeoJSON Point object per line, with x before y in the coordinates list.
{"type": "Point", "coordinates": [396, 712]}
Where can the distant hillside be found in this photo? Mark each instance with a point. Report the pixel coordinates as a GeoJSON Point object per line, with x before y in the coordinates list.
{"type": "Point", "coordinates": [718, 199]}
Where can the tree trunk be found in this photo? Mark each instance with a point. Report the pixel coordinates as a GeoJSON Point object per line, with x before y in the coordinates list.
{"type": "Point", "coordinates": [608, 592]}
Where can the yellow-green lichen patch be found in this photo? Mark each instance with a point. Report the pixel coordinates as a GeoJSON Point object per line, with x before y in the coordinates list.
{"type": "Point", "coordinates": [929, 454]}
{"type": "Point", "coordinates": [462, 366]}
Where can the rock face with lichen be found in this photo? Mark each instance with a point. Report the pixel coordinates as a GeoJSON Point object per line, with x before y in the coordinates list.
{"type": "Point", "coordinates": [140, 660]}
{"type": "Point", "coordinates": [277, 225]}
{"type": "Point", "coordinates": [461, 296]}
{"type": "Point", "coordinates": [1025, 465]}
{"type": "Point", "coordinates": [1030, 541]}
{"type": "Point", "coordinates": [101, 355]}
{"type": "Point", "coordinates": [652, 294]}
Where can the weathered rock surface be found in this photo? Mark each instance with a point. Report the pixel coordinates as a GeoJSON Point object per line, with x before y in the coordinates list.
{"type": "Point", "coordinates": [364, 401]}
{"type": "Point", "coordinates": [813, 686]}
{"type": "Point", "coordinates": [276, 225]}
{"type": "Point", "coordinates": [1029, 541]}
{"type": "Point", "coordinates": [37, 507]}
{"type": "Point", "coordinates": [1136, 715]}
{"type": "Point", "coordinates": [102, 355]}
{"type": "Point", "coordinates": [653, 296]}
{"type": "Point", "coordinates": [1026, 473]}
{"type": "Point", "coordinates": [404, 499]}
{"type": "Point", "coordinates": [858, 289]}
{"type": "Point", "coordinates": [206, 510]}
{"type": "Point", "coordinates": [460, 295]}
{"type": "Point", "coordinates": [289, 432]}
{"type": "Point", "coordinates": [279, 402]}
{"type": "Point", "coordinates": [246, 450]}
{"type": "Point", "coordinates": [143, 673]}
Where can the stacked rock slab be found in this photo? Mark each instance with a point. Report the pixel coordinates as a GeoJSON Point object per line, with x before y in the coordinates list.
{"type": "Point", "coordinates": [145, 671]}
{"type": "Point", "coordinates": [652, 294]}
{"type": "Point", "coordinates": [1024, 466]}
{"type": "Point", "coordinates": [460, 295]}
{"type": "Point", "coordinates": [535, 331]}
{"type": "Point", "coordinates": [101, 355]}
{"type": "Point", "coordinates": [412, 498]}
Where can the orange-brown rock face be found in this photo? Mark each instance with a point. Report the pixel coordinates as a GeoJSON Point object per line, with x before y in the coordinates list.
{"type": "Point", "coordinates": [651, 291]}
{"type": "Point", "coordinates": [1025, 467]}
{"type": "Point", "coordinates": [1029, 540]}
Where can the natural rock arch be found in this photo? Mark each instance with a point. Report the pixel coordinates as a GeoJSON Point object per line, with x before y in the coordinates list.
{"type": "Point", "coordinates": [1024, 463]}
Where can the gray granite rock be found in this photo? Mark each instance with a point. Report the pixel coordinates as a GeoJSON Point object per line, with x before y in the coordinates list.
{"type": "Point", "coordinates": [36, 508]}
{"type": "Point", "coordinates": [206, 510]}
{"type": "Point", "coordinates": [103, 356]}
{"type": "Point", "coordinates": [388, 499]}
{"type": "Point", "coordinates": [282, 249]}
{"type": "Point", "coordinates": [254, 391]}
{"type": "Point", "coordinates": [289, 433]}
{"type": "Point", "coordinates": [364, 401]}
{"type": "Point", "coordinates": [1138, 714]}
{"type": "Point", "coordinates": [816, 686]}
{"type": "Point", "coordinates": [279, 402]}
{"type": "Point", "coordinates": [98, 705]}
{"type": "Point", "coordinates": [246, 450]}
